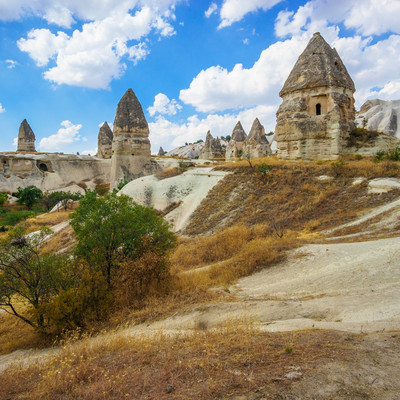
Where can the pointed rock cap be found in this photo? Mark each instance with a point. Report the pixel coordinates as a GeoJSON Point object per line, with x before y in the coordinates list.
{"type": "Point", "coordinates": [318, 65]}
{"type": "Point", "coordinates": [209, 138]}
{"type": "Point", "coordinates": [25, 131]}
{"type": "Point", "coordinates": [257, 133]}
{"type": "Point", "coordinates": [129, 116]}
{"type": "Point", "coordinates": [238, 133]}
{"type": "Point", "coordinates": [161, 152]}
{"type": "Point", "coordinates": [105, 134]}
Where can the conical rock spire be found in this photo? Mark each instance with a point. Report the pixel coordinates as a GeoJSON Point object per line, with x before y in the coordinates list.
{"type": "Point", "coordinates": [319, 65]}
{"type": "Point", "coordinates": [26, 137]}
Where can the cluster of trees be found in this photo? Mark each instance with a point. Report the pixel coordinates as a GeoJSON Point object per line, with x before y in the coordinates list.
{"type": "Point", "coordinates": [31, 196]}
{"type": "Point", "coordinates": [119, 258]}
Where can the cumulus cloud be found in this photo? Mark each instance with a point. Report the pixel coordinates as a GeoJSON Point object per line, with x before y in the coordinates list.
{"type": "Point", "coordinates": [68, 134]}
{"type": "Point", "coordinates": [234, 10]}
{"type": "Point", "coordinates": [163, 105]}
{"type": "Point", "coordinates": [15, 141]}
{"type": "Point", "coordinates": [2, 109]}
{"type": "Point", "coordinates": [173, 134]}
{"type": "Point", "coordinates": [95, 54]}
{"type": "Point", "coordinates": [211, 10]}
{"type": "Point", "coordinates": [371, 61]}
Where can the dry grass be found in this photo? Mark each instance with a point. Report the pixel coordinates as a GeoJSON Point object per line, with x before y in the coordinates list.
{"type": "Point", "coordinates": [207, 364]}
{"type": "Point", "coordinates": [16, 334]}
{"type": "Point", "coordinates": [48, 219]}
{"type": "Point", "coordinates": [60, 241]}
{"type": "Point", "coordinates": [290, 195]}
{"type": "Point", "coordinates": [168, 173]}
{"type": "Point", "coordinates": [228, 255]}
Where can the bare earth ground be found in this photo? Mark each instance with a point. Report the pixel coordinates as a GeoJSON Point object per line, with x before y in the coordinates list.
{"type": "Point", "coordinates": [350, 288]}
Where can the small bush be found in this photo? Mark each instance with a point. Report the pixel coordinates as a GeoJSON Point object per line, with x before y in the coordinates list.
{"type": "Point", "coordinates": [338, 168]}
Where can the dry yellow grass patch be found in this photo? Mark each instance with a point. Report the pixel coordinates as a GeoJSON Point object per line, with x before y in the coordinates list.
{"type": "Point", "coordinates": [206, 364]}
{"type": "Point", "coordinates": [48, 219]}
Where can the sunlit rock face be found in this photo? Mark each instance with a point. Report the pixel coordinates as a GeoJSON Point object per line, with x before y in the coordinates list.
{"type": "Point", "coordinates": [212, 148]}
{"type": "Point", "coordinates": [104, 142]}
{"type": "Point", "coordinates": [235, 145]}
{"type": "Point", "coordinates": [317, 112]}
{"type": "Point", "coordinates": [381, 116]}
{"type": "Point", "coordinates": [26, 138]}
{"type": "Point", "coordinates": [131, 145]}
{"type": "Point", "coordinates": [256, 143]}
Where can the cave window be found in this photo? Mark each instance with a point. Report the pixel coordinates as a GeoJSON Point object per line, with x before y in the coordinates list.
{"type": "Point", "coordinates": [318, 109]}
{"type": "Point", "coordinates": [43, 167]}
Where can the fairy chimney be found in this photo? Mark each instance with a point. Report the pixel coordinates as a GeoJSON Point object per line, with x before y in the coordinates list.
{"type": "Point", "coordinates": [256, 143]}
{"type": "Point", "coordinates": [131, 145]}
{"type": "Point", "coordinates": [161, 152]}
{"type": "Point", "coordinates": [235, 145]}
{"type": "Point", "coordinates": [104, 142]}
{"type": "Point", "coordinates": [317, 110]}
{"type": "Point", "coordinates": [212, 148]}
{"type": "Point", "coordinates": [26, 138]}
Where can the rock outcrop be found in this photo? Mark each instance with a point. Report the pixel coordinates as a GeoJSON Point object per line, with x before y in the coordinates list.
{"type": "Point", "coordinates": [381, 116]}
{"type": "Point", "coordinates": [161, 152]}
{"type": "Point", "coordinates": [104, 142]}
{"type": "Point", "coordinates": [212, 148]}
{"type": "Point", "coordinates": [131, 145]}
{"type": "Point", "coordinates": [235, 145]}
{"type": "Point", "coordinates": [256, 143]}
{"type": "Point", "coordinates": [26, 138]}
{"type": "Point", "coordinates": [317, 112]}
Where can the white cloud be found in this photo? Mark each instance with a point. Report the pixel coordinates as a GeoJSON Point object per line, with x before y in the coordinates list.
{"type": "Point", "coordinates": [211, 10]}
{"type": "Point", "coordinates": [15, 141]}
{"type": "Point", "coordinates": [171, 134]}
{"type": "Point", "coordinates": [68, 134]}
{"type": "Point", "coordinates": [234, 10]}
{"type": "Point", "coordinates": [246, 41]}
{"type": "Point", "coordinates": [2, 109]}
{"type": "Point", "coordinates": [94, 55]}
{"type": "Point", "coordinates": [11, 64]}
{"type": "Point", "coordinates": [370, 61]}
{"type": "Point", "coordinates": [217, 89]}
{"type": "Point", "coordinates": [163, 105]}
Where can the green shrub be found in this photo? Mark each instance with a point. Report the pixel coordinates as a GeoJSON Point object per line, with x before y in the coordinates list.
{"type": "Point", "coordinates": [29, 195]}
{"type": "Point", "coordinates": [3, 198]}
{"type": "Point", "coordinates": [12, 218]}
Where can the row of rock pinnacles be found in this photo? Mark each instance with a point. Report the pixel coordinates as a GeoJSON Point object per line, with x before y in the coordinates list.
{"type": "Point", "coordinates": [253, 145]}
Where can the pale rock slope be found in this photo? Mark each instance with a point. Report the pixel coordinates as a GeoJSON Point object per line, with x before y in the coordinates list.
{"type": "Point", "coordinates": [191, 150]}
{"type": "Point", "coordinates": [381, 116]}
{"type": "Point", "coordinates": [187, 189]}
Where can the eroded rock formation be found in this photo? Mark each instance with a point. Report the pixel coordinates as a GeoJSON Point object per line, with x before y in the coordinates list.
{"type": "Point", "coordinates": [381, 116]}
{"type": "Point", "coordinates": [104, 142]}
{"type": "Point", "coordinates": [235, 145]}
{"type": "Point", "coordinates": [317, 111]}
{"type": "Point", "coordinates": [161, 152]}
{"type": "Point", "coordinates": [256, 143]}
{"type": "Point", "coordinates": [26, 138]}
{"type": "Point", "coordinates": [212, 148]}
{"type": "Point", "coordinates": [131, 145]}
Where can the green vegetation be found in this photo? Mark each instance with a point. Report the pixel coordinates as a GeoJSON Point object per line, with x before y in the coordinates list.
{"type": "Point", "coordinates": [393, 155]}
{"type": "Point", "coordinates": [27, 276]}
{"type": "Point", "coordinates": [29, 196]}
{"type": "Point", "coordinates": [113, 229]}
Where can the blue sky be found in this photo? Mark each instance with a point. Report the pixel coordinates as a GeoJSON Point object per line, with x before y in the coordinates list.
{"type": "Point", "coordinates": [195, 65]}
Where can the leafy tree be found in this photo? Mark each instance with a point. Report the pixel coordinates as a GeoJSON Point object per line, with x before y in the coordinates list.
{"type": "Point", "coordinates": [49, 200]}
{"type": "Point", "coordinates": [29, 195]}
{"type": "Point", "coordinates": [3, 198]}
{"type": "Point", "coordinates": [28, 276]}
{"type": "Point", "coordinates": [112, 228]}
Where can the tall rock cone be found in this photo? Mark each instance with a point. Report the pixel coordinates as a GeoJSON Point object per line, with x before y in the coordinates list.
{"type": "Point", "coordinates": [235, 145]}
{"type": "Point", "coordinates": [212, 148]}
{"type": "Point", "coordinates": [238, 133]}
{"type": "Point", "coordinates": [317, 111]}
{"type": "Point", "coordinates": [161, 152]}
{"type": "Point", "coordinates": [131, 145]}
{"type": "Point", "coordinates": [26, 137]}
{"type": "Point", "coordinates": [104, 141]}
{"type": "Point", "coordinates": [256, 144]}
